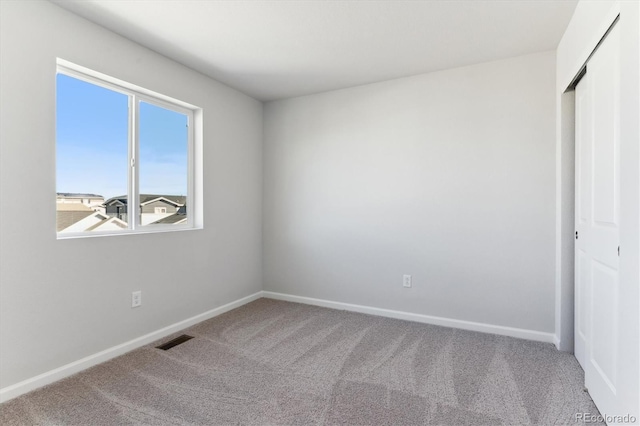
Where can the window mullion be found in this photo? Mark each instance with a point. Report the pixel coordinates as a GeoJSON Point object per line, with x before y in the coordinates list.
{"type": "Point", "coordinates": [134, 195]}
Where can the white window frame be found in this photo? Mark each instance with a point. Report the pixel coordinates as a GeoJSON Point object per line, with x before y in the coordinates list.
{"type": "Point", "coordinates": [136, 95]}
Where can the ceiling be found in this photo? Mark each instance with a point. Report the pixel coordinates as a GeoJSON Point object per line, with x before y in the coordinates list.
{"type": "Point", "coordinates": [279, 49]}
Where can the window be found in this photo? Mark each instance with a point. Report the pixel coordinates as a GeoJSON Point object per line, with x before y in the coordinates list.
{"type": "Point", "coordinates": [118, 146]}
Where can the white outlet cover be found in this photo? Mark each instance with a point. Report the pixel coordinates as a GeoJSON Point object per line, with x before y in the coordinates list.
{"type": "Point", "coordinates": [406, 280]}
{"type": "Point", "coordinates": [136, 299]}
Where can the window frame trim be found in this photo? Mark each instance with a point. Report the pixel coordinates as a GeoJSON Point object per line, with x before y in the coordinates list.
{"type": "Point", "coordinates": [136, 95]}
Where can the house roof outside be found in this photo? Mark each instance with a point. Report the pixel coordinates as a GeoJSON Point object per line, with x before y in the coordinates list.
{"type": "Point", "coordinates": [178, 200]}
{"type": "Point", "coordinates": [75, 219]}
{"type": "Point", "coordinates": [72, 207]}
{"type": "Point", "coordinates": [175, 201]}
{"type": "Point", "coordinates": [115, 220]}
{"type": "Point", "coordinates": [66, 217]}
{"type": "Point", "coordinates": [77, 195]}
{"type": "Point", "coordinates": [178, 217]}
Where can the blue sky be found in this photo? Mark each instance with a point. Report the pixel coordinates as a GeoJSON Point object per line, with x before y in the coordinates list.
{"type": "Point", "coordinates": [92, 143]}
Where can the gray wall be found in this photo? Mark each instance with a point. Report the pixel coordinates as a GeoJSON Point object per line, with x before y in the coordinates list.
{"type": "Point", "coordinates": [447, 176]}
{"type": "Point", "coordinates": [48, 317]}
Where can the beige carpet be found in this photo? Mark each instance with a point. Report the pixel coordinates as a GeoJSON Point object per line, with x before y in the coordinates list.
{"type": "Point", "coordinates": [280, 363]}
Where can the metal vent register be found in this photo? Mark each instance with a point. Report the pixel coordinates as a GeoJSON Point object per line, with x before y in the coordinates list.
{"type": "Point", "coordinates": [175, 342]}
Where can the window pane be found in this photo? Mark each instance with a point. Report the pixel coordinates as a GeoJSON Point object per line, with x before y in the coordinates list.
{"type": "Point", "coordinates": [163, 165]}
{"type": "Point", "coordinates": [91, 157]}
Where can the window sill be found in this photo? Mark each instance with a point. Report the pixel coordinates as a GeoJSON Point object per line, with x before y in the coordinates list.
{"type": "Point", "coordinates": [76, 235]}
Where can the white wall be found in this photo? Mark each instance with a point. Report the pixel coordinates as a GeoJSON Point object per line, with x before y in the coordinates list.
{"type": "Point", "coordinates": [588, 24]}
{"type": "Point", "coordinates": [447, 176]}
{"type": "Point", "coordinates": [49, 317]}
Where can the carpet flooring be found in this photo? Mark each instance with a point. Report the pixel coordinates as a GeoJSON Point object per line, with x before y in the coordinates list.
{"type": "Point", "coordinates": [279, 363]}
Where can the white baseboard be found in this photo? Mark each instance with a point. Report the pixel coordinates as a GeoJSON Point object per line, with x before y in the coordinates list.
{"type": "Point", "coordinates": [556, 341]}
{"type": "Point", "coordinates": [54, 375]}
{"type": "Point", "coordinates": [427, 319]}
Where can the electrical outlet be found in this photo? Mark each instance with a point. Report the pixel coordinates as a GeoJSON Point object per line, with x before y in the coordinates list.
{"type": "Point", "coordinates": [136, 299]}
{"type": "Point", "coordinates": [406, 281]}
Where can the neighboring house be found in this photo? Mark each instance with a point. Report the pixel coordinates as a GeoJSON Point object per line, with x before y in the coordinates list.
{"type": "Point", "coordinates": [95, 221]}
{"type": "Point", "coordinates": [68, 213]}
{"type": "Point", "coordinates": [153, 207]}
{"type": "Point", "coordinates": [92, 201]}
{"type": "Point", "coordinates": [117, 207]}
{"type": "Point", "coordinates": [157, 207]}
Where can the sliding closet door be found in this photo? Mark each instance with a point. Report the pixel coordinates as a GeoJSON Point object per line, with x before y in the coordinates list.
{"type": "Point", "coordinates": [597, 222]}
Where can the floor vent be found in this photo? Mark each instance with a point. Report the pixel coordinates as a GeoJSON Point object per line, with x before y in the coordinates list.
{"type": "Point", "coordinates": [175, 342]}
